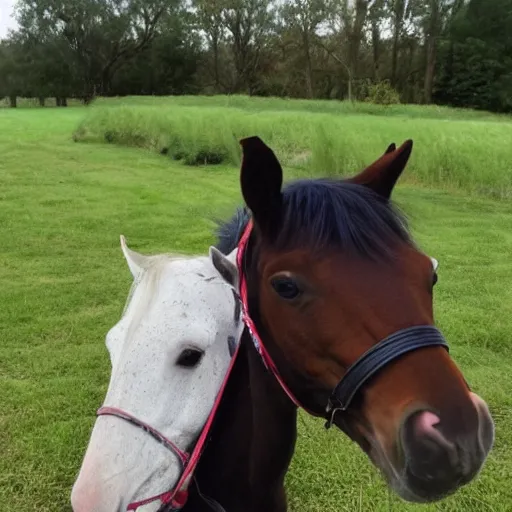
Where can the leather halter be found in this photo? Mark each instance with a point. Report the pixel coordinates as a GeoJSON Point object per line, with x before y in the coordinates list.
{"type": "Point", "coordinates": [386, 351]}
{"type": "Point", "coordinates": [176, 498]}
{"type": "Point", "coordinates": [366, 366]}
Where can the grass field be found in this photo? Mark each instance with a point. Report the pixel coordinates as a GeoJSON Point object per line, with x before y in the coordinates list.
{"type": "Point", "coordinates": [64, 281]}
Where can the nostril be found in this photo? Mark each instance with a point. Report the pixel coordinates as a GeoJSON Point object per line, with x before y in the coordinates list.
{"type": "Point", "coordinates": [424, 424]}
{"type": "Point", "coordinates": [430, 456]}
{"type": "Point", "coordinates": [424, 428]}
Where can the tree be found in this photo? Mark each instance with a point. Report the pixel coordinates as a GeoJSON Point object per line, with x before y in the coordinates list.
{"type": "Point", "coordinates": [455, 52]}
{"type": "Point", "coordinates": [209, 17]}
{"type": "Point", "coordinates": [436, 12]}
{"type": "Point", "coordinates": [376, 14]}
{"type": "Point", "coordinates": [13, 71]}
{"type": "Point", "coordinates": [304, 17]}
{"type": "Point", "coordinates": [248, 24]}
{"type": "Point", "coordinates": [167, 66]}
{"type": "Point", "coordinates": [101, 34]}
{"type": "Point", "coordinates": [404, 16]}
{"type": "Point", "coordinates": [476, 61]}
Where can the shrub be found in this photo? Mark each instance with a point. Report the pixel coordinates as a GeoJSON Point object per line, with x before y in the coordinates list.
{"type": "Point", "coordinates": [381, 93]}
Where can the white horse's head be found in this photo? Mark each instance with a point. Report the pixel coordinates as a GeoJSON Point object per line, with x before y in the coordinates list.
{"type": "Point", "coordinates": [169, 353]}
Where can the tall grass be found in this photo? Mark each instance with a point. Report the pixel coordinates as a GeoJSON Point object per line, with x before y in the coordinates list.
{"type": "Point", "coordinates": [474, 155]}
{"type": "Point", "coordinates": [315, 106]}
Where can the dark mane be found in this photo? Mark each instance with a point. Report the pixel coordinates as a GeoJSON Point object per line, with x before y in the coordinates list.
{"type": "Point", "coordinates": [328, 213]}
{"type": "Point", "coordinates": [229, 233]}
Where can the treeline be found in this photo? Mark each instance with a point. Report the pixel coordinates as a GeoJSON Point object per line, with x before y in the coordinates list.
{"type": "Point", "coordinates": [453, 52]}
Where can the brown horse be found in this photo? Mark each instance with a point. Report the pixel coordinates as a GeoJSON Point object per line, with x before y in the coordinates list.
{"type": "Point", "coordinates": [339, 302]}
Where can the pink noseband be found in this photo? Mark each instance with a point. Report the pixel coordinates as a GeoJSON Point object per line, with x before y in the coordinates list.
{"type": "Point", "coordinates": [175, 498]}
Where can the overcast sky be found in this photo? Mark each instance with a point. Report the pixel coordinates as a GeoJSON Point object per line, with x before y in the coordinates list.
{"type": "Point", "coordinates": [6, 22]}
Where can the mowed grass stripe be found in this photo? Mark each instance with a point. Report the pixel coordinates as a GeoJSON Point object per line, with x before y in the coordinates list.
{"type": "Point", "coordinates": [64, 283]}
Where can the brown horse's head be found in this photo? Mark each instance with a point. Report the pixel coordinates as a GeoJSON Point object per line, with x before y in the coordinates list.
{"type": "Point", "coordinates": [334, 272]}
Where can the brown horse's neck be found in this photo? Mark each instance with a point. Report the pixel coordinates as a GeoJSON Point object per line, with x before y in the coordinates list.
{"type": "Point", "coordinates": [251, 444]}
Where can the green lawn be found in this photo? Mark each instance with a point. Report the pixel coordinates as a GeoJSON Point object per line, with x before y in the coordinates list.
{"type": "Point", "coordinates": [64, 282]}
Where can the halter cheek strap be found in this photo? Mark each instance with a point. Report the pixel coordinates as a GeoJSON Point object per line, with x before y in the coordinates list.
{"type": "Point", "coordinates": [372, 361]}
{"type": "Point", "coordinates": [258, 344]}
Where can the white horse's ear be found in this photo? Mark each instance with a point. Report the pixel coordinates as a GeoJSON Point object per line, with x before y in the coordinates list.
{"type": "Point", "coordinates": [435, 263]}
{"type": "Point", "coordinates": [136, 262]}
{"type": "Point", "coordinates": [225, 265]}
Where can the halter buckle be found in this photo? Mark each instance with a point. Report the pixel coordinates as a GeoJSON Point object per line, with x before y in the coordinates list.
{"type": "Point", "coordinates": [333, 406]}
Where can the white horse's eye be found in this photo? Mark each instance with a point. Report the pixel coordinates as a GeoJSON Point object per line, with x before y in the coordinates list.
{"type": "Point", "coordinates": [190, 358]}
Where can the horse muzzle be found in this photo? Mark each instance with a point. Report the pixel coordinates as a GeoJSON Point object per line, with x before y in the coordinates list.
{"type": "Point", "coordinates": [439, 456]}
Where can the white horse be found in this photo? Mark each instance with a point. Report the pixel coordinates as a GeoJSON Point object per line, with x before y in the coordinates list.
{"type": "Point", "coordinates": [170, 353]}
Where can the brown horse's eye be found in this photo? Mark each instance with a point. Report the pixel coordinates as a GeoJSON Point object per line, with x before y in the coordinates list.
{"type": "Point", "coordinates": [286, 288]}
{"type": "Point", "coordinates": [189, 358]}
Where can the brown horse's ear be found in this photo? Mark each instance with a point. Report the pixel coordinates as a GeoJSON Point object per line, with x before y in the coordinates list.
{"type": "Point", "coordinates": [382, 175]}
{"type": "Point", "coordinates": [261, 179]}
{"type": "Point", "coordinates": [390, 149]}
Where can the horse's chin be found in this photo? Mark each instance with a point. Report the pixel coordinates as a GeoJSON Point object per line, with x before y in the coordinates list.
{"type": "Point", "coordinates": [399, 484]}
{"type": "Point", "coordinates": [361, 433]}
{"type": "Point", "coordinates": [392, 475]}
{"type": "Point", "coordinates": [396, 478]}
